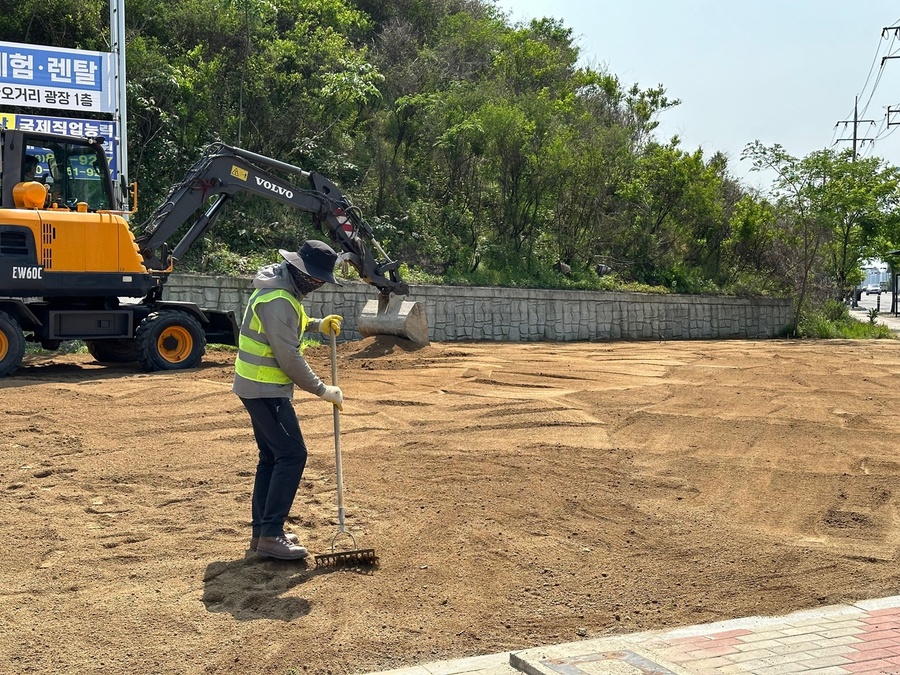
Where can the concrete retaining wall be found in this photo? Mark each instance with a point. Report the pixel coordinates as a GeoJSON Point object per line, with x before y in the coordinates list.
{"type": "Point", "coordinates": [466, 313]}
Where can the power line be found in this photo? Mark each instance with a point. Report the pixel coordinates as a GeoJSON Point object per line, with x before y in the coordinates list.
{"type": "Point", "coordinates": [883, 130]}
{"type": "Point", "coordinates": [880, 67]}
{"type": "Point", "coordinates": [874, 88]}
{"type": "Point", "coordinates": [872, 66]}
{"type": "Point", "coordinates": [890, 110]}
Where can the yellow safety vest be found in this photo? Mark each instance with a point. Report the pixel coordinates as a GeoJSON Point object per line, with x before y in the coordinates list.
{"type": "Point", "coordinates": [256, 360]}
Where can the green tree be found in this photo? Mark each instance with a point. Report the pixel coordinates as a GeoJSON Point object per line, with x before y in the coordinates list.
{"type": "Point", "coordinates": [833, 210]}
{"type": "Point", "coordinates": [749, 250]}
{"type": "Point", "coordinates": [861, 199]}
{"type": "Point", "coordinates": [75, 24]}
{"type": "Point", "coordinates": [478, 149]}
{"type": "Point", "coordinates": [678, 217]}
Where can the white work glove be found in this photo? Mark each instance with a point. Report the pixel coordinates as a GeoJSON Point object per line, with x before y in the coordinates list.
{"type": "Point", "coordinates": [332, 322]}
{"type": "Point", "coordinates": [334, 395]}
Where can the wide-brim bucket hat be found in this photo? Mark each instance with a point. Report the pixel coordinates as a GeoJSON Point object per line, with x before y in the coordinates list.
{"type": "Point", "coordinates": [315, 258]}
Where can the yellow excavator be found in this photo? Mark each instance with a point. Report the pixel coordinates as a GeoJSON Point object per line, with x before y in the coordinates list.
{"type": "Point", "coordinates": [72, 268]}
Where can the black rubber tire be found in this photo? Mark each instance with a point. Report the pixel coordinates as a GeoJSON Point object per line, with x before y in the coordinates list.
{"type": "Point", "coordinates": [113, 351]}
{"type": "Point", "coordinates": [169, 340]}
{"type": "Point", "coordinates": [12, 344]}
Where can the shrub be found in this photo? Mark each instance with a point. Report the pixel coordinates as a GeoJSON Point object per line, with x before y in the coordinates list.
{"type": "Point", "coordinates": [833, 320]}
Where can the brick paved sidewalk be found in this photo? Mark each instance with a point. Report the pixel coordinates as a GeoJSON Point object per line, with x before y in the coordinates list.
{"type": "Point", "coordinates": [860, 638]}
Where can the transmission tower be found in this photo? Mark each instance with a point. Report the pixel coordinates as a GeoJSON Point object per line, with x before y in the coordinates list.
{"type": "Point", "coordinates": [856, 122]}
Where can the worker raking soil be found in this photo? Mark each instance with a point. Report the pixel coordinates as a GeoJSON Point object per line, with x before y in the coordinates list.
{"type": "Point", "coordinates": [268, 366]}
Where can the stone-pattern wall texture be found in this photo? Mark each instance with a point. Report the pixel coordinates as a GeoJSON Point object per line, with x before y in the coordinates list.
{"type": "Point", "coordinates": [511, 314]}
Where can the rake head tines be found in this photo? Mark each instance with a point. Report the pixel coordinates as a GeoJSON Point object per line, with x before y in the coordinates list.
{"type": "Point", "coordinates": [356, 557]}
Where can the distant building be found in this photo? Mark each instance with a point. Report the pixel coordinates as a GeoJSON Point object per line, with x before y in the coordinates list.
{"type": "Point", "coordinates": [876, 272]}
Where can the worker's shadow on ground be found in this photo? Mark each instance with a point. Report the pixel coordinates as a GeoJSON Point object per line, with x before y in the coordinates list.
{"type": "Point", "coordinates": [254, 588]}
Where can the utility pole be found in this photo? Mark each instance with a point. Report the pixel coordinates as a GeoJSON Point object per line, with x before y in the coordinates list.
{"type": "Point", "coordinates": [856, 122]}
{"type": "Point", "coordinates": [884, 33]}
{"type": "Point", "coordinates": [890, 110]}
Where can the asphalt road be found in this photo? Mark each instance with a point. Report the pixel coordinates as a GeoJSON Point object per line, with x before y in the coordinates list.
{"type": "Point", "coordinates": [880, 302]}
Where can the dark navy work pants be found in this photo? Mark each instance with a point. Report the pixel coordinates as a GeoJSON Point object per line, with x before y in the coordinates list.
{"type": "Point", "coordinates": [282, 458]}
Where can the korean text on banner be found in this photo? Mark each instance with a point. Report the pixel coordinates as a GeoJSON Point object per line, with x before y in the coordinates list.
{"type": "Point", "coordinates": [68, 126]}
{"type": "Point", "coordinates": [35, 76]}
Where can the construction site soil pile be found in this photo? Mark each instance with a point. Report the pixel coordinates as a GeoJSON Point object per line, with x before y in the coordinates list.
{"type": "Point", "coordinates": [517, 495]}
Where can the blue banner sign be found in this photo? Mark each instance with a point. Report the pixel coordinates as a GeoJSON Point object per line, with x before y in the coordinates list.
{"type": "Point", "coordinates": [52, 77]}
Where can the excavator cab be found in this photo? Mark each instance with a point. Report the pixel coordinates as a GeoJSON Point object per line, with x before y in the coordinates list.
{"type": "Point", "coordinates": [70, 268]}
{"type": "Point", "coordinates": [75, 171]}
{"type": "Point", "coordinates": [60, 232]}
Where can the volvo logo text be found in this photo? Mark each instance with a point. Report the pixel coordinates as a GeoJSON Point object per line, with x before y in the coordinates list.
{"type": "Point", "coordinates": [277, 189]}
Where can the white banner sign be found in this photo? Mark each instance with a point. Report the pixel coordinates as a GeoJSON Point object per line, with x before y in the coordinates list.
{"type": "Point", "coordinates": [34, 76]}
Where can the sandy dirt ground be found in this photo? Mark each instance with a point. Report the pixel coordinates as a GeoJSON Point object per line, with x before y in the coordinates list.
{"type": "Point", "coordinates": [517, 495]}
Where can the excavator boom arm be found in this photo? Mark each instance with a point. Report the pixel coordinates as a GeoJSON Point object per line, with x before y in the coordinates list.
{"type": "Point", "coordinates": [222, 172]}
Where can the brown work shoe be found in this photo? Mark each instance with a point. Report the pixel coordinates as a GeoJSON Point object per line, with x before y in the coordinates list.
{"type": "Point", "coordinates": [281, 548]}
{"type": "Point", "coordinates": [290, 536]}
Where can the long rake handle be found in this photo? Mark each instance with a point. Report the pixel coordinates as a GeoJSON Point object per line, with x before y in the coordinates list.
{"type": "Point", "coordinates": [356, 556]}
{"type": "Point", "coordinates": [337, 439]}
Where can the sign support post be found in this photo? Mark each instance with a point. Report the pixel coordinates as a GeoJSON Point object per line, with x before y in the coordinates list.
{"type": "Point", "coordinates": [117, 39]}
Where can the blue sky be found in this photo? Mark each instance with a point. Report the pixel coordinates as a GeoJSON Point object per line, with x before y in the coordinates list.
{"type": "Point", "coordinates": [778, 71]}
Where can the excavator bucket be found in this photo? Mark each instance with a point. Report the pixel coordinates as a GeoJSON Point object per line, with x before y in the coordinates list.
{"type": "Point", "coordinates": [394, 316]}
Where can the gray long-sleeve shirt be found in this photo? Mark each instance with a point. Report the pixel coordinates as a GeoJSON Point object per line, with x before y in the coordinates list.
{"type": "Point", "coordinates": [281, 324]}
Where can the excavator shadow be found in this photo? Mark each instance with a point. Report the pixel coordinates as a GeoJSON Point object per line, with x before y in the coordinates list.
{"type": "Point", "coordinates": [52, 368]}
{"type": "Point", "coordinates": [383, 345]}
